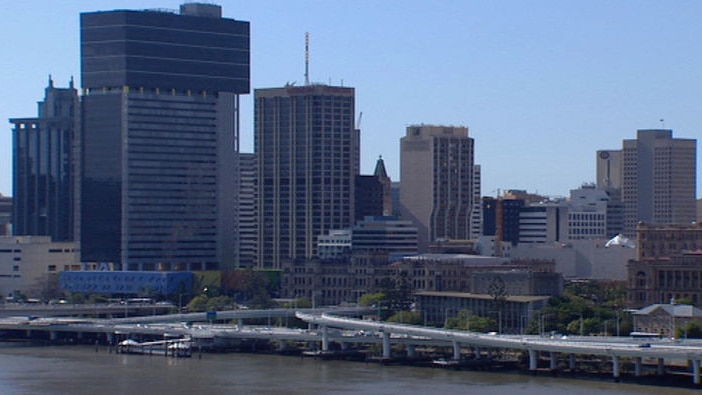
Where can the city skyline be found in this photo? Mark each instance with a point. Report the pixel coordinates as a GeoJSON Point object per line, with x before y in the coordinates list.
{"type": "Point", "coordinates": [523, 77]}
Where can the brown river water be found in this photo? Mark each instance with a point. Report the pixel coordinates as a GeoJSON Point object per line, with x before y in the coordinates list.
{"type": "Point", "coordinates": [90, 370]}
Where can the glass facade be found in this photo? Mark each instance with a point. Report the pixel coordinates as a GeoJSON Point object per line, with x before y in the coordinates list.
{"type": "Point", "coordinates": [159, 186]}
{"type": "Point", "coordinates": [154, 49]}
{"type": "Point", "coordinates": [43, 186]}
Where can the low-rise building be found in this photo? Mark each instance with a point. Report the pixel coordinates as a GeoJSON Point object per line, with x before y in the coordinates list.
{"type": "Point", "coordinates": [513, 313]}
{"type": "Point", "coordinates": [453, 272]}
{"type": "Point", "coordinates": [374, 233]}
{"type": "Point", "coordinates": [658, 280]}
{"type": "Point", "coordinates": [345, 280]}
{"type": "Point", "coordinates": [655, 240]}
{"type": "Point", "coordinates": [668, 264]}
{"type": "Point", "coordinates": [518, 283]}
{"type": "Point", "coordinates": [584, 259]}
{"type": "Point", "coordinates": [27, 264]}
{"type": "Point", "coordinates": [664, 319]}
{"type": "Point", "coordinates": [335, 281]}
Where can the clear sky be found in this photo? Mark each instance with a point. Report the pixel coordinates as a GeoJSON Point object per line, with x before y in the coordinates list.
{"type": "Point", "coordinates": [541, 85]}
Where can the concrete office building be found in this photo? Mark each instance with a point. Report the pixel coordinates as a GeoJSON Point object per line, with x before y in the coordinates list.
{"type": "Point", "coordinates": [248, 211]}
{"type": "Point", "coordinates": [476, 220]}
{"type": "Point", "coordinates": [659, 179]}
{"type": "Point", "coordinates": [385, 234]}
{"type": "Point", "coordinates": [28, 262]}
{"type": "Point", "coordinates": [609, 170]}
{"type": "Point", "coordinates": [308, 160]}
{"type": "Point", "coordinates": [5, 215]}
{"type": "Point", "coordinates": [513, 317]}
{"type": "Point", "coordinates": [590, 259]}
{"type": "Point", "coordinates": [543, 223]}
{"type": "Point", "coordinates": [587, 213]}
{"type": "Point", "coordinates": [390, 234]}
{"type": "Point", "coordinates": [336, 245]}
{"type": "Point", "coordinates": [500, 224]}
{"type": "Point", "coordinates": [161, 136]}
{"type": "Point", "coordinates": [436, 174]}
{"type": "Point", "coordinates": [44, 160]}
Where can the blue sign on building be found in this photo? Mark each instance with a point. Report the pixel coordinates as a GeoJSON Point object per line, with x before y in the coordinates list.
{"type": "Point", "coordinates": [126, 282]}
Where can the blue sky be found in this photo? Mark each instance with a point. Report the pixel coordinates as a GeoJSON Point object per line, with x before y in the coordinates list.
{"type": "Point", "coordinates": [541, 85]}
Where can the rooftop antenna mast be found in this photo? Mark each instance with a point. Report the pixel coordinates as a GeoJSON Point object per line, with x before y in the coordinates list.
{"type": "Point", "coordinates": [307, 58]}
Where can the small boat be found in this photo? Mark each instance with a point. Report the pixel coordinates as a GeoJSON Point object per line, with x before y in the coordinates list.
{"type": "Point", "coordinates": [180, 348]}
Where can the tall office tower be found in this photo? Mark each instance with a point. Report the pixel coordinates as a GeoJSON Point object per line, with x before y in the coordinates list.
{"type": "Point", "coordinates": [476, 219]}
{"type": "Point", "coordinates": [658, 179]}
{"type": "Point", "coordinates": [308, 158]}
{"type": "Point", "coordinates": [609, 170]}
{"type": "Point", "coordinates": [44, 166]}
{"type": "Point", "coordinates": [161, 137]}
{"type": "Point", "coordinates": [436, 174]}
{"type": "Point", "coordinates": [609, 179]}
{"type": "Point", "coordinates": [248, 210]}
{"type": "Point", "coordinates": [395, 198]}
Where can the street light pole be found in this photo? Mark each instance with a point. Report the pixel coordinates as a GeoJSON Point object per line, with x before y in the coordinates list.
{"type": "Point", "coordinates": [542, 327]}
{"type": "Point", "coordinates": [446, 317]}
{"type": "Point", "coordinates": [581, 321]}
{"type": "Point", "coordinates": [499, 315]}
{"type": "Point", "coordinates": [605, 327]}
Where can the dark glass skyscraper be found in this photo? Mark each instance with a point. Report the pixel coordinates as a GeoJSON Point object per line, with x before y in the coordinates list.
{"type": "Point", "coordinates": [160, 137]}
{"type": "Point", "coordinates": [43, 162]}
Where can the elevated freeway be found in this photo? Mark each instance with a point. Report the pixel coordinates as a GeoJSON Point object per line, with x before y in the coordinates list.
{"type": "Point", "coordinates": [327, 326]}
{"type": "Point", "coordinates": [614, 348]}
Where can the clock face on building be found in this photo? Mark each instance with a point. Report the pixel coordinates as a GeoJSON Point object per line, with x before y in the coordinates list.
{"type": "Point", "coordinates": [604, 155]}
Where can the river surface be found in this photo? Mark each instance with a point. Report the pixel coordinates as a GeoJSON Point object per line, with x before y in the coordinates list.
{"type": "Point", "coordinates": [89, 370]}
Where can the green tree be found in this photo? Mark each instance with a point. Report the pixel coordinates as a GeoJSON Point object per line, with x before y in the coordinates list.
{"type": "Point", "coordinates": [498, 291]}
{"type": "Point", "coordinates": [465, 320]}
{"type": "Point", "coordinates": [96, 298]}
{"type": "Point", "coordinates": [47, 287]}
{"type": "Point", "coordinates": [690, 330]}
{"type": "Point", "coordinates": [371, 299]}
{"type": "Point", "coordinates": [219, 303]}
{"type": "Point", "coordinates": [398, 293]}
{"type": "Point", "coordinates": [303, 303]}
{"type": "Point", "coordinates": [198, 303]}
{"type": "Point", "coordinates": [76, 298]}
{"type": "Point", "coordinates": [254, 287]}
{"type": "Point", "coordinates": [407, 317]}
